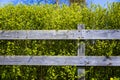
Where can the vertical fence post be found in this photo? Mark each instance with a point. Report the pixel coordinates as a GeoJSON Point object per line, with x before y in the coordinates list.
{"type": "Point", "coordinates": [57, 2]}
{"type": "Point", "coordinates": [81, 52]}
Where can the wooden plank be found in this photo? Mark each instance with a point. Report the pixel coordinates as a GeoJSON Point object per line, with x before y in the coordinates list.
{"type": "Point", "coordinates": [59, 34]}
{"type": "Point", "coordinates": [81, 52]}
{"type": "Point", "coordinates": [61, 60]}
{"type": "Point", "coordinates": [38, 34]}
{"type": "Point", "coordinates": [101, 34]}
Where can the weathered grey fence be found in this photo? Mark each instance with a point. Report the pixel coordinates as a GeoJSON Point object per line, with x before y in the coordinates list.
{"type": "Point", "coordinates": [60, 34]}
{"type": "Point", "coordinates": [80, 60]}
{"type": "Point", "coordinates": [61, 60]}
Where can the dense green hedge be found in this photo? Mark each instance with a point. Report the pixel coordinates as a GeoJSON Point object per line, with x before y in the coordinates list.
{"type": "Point", "coordinates": [38, 17]}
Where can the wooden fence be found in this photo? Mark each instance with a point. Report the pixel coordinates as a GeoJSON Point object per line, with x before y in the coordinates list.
{"type": "Point", "coordinates": [79, 34]}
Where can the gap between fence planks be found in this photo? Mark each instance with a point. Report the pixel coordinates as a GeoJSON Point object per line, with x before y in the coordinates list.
{"type": "Point", "coordinates": [59, 34]}
{"type": "Point", "coordinates": [61, 60]}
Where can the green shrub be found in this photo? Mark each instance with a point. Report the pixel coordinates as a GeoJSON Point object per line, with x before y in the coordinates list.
{"type": "Point", "coordinates": [39, 17]}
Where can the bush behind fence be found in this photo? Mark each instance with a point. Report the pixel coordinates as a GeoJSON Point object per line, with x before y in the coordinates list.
{"type": "Point", "coordinates": [39, 17]}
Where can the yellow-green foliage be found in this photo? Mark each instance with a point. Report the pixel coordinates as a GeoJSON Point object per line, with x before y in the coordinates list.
{"type": "Point", "coordinates": [39, 17]}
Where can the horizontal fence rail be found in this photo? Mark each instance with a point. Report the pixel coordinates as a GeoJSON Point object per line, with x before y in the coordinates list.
{"type": "Point", "coordinates": [59, 34]}
{"type": "Point", "coordinates": [61, 60]}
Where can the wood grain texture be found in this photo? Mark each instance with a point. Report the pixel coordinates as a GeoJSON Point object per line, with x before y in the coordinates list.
{"type": "Point", "coordinates": [59, 34]}
{"type": "Point", "coordinates": [101, 34]}
{"type": "Point", "coordinates": [81, 52]}
{"type": "Point", "coordinates": [61, 60]}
